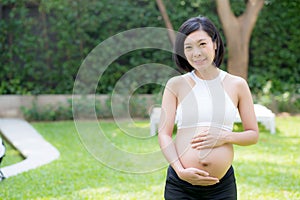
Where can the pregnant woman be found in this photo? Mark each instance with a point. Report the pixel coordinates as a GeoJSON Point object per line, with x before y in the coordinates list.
{"type": "Point", "coordinates": [204, 102]}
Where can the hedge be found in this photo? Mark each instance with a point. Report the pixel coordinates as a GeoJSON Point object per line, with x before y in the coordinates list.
{"type": "Point", "coordinates": [43, 43]}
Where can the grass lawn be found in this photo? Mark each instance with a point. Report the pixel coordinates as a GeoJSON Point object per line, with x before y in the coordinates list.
{"type": "Point", "coordinates": [268, 170]}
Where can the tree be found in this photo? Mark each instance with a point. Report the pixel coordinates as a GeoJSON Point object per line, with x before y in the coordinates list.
{"type": "Point", "coordinates": [167, 21]}
{"type": "Point", "coordinates": [238, 31]}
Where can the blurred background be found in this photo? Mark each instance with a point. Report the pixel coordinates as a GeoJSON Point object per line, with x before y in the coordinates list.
{"type": "Point", "coordinates": [43, 43]}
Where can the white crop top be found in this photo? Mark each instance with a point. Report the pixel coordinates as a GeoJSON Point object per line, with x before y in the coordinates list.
{"type": "Point", "coordinates": [207, 104]}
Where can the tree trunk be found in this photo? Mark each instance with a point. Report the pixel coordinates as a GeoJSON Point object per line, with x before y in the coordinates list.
{"type": "Point", "coordinates": [238, 31]}
{"type": "Point", "coordinates": [167, 21]}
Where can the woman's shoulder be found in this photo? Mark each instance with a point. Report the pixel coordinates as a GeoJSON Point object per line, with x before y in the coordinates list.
{"type": "Point", "coordinates": [178, 83]}
{"type": "Point", "coordinates": [236, 80]}
{"type": "Point", "coordinates": [177, 80]}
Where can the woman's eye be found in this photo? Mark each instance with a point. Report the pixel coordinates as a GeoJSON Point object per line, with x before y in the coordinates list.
{"type": "Point", "coordinates": [188, 47]}
{"type": "Point", "coordinates": [202, 44]}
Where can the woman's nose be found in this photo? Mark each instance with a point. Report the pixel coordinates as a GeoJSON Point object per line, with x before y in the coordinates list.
{"type": "Point", "coordinates": [197, 52]}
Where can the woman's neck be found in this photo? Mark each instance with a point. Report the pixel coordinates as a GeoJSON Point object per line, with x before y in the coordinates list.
{"type": "Point", "coordinates": [208, 74]}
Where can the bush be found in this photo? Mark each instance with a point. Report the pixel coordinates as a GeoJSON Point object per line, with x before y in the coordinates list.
{"type": "Point", "coordinates": [137, 107]}
{"type": "Point", "coordinates": [43, 43]}
{"type": "Point", "coordinates": [48, 112]}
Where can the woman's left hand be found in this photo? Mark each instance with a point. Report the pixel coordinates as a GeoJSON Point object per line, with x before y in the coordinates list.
{"type": "Point", "coordinates": [208, 138]}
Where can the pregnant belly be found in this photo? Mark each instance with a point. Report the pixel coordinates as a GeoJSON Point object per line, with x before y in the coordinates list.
{"type": "Point", "coordinates": [216, 161]}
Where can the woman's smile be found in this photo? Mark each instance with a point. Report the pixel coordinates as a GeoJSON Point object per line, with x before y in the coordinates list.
{"type": "Point", "coordinates": [199, 62]}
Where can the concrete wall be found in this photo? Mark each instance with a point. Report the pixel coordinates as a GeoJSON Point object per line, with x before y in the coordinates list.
{"type": "Point", "coordinates": [10, 105]}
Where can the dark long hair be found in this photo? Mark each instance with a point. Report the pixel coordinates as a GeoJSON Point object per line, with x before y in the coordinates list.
{"type": "Point", "coordinates": [189, 26]}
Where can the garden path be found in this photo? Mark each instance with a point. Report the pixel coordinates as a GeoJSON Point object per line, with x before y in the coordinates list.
{"type": "Point", "coordinates": [36, 150]}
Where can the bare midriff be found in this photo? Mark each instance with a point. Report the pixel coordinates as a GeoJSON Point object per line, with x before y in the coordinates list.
{"type": "Point", "coordinates": [216, 161]}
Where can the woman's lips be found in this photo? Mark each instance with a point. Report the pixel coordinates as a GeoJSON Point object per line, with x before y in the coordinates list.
{"type": "Point", "coordinates": [199, 61]}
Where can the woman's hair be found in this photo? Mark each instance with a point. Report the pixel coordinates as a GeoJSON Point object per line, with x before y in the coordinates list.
{"type": "Point", "coordinates": [189, 26]}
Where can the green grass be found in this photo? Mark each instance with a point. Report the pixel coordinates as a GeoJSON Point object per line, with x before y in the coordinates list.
{"type": "Point", "coordinates": [271, 169]}
{"type": "Point", "coordinates": [12, 155]}
{"type": "Point", "coordinates": [268, 170]}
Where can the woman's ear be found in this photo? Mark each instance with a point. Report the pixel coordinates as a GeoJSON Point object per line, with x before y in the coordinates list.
{"type": "Point", "coordinates": [215, 45]}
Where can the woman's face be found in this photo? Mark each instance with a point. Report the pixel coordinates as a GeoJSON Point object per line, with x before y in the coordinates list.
{"type": "Point", "coordinates": [199, 50]}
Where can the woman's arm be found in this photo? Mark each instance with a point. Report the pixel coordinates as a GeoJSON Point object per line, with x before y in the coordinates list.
{"type": "Point", "coordinates": [208, 139]}
{"type": "Point", "coordinates": [166, 125]}
{"type": "Point", "coordinates": [246, 109]}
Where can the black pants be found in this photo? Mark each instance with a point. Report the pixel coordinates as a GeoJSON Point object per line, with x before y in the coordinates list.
{"type": "Point", "coordinates": [177, 189]}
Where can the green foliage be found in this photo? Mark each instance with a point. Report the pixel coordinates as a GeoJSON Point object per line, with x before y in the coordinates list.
{"type": "Point", "coordinates": [43, 43]}
{"type": "Point", "coordinates": [274, 48]}
{"type": "Point", "coordinates": [274, 60]}
{"type": "Point", "coordinates": [84, 106]}
{"type": "Point", "coordinates": [48, 112]}
{"type": "Point", "coordinates": [41, 54]}
{"type": "Point", "coordinates": [278, 102]}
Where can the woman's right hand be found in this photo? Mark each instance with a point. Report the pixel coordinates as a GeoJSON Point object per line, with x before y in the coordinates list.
{"type": "Point", "coordinates": [197, 177]}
